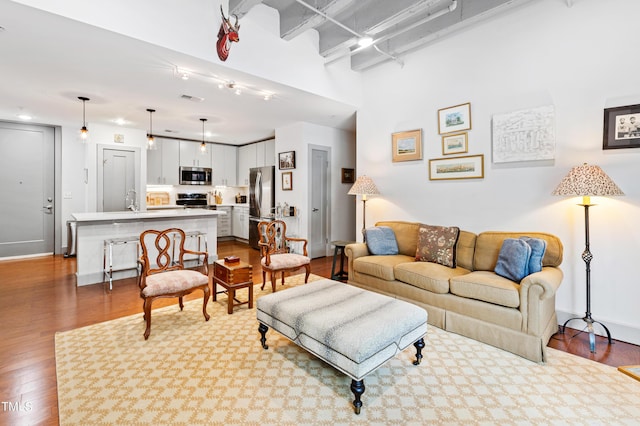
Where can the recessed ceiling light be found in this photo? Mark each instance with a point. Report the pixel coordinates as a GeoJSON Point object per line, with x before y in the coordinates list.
{"type": "Point", "coordinates": [24, 116]}
{"type": "Point", "coordinates": [120, 121]}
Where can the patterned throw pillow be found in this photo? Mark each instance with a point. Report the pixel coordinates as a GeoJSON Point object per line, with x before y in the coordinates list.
{"type": "Point", "coordinates": [437, 244]}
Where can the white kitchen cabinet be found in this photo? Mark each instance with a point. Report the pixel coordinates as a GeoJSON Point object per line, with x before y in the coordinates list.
{"type": "Point", "coordinates": [270, 152]}
{"type": "Point", "coordinates": [162, 163]}
{"type": "Point", "coordinates": [224, 221]}
{"type": "Point", "coordinates": [223, 160]}
{"type": "Point", "coordinates": [192, 156]}
{"type": "Point", "coordinates": [246, 160]}
{"type": "Point", "coordinates": [240, 218]}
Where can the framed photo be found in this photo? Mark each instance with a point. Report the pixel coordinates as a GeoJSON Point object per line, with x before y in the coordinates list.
{"type": "Point", "coordinates": [287, 160]}
{"type": "Point", "coordinates": [348, 176]}
{"type": "Point", "coordinates": [407, 146]}
{"type": "Point", "coordinates": [467, 167]}
{"type": "Point", "coordinates": [454, 119]}
{"type": "Point", "coordinates": [454, 144]}
{"type": "Point", "coordinates": [621, 127]}
{"type": "Point", "coordinates": [631, 370]}
{"type": "Point", "coordinates": [287, 181]}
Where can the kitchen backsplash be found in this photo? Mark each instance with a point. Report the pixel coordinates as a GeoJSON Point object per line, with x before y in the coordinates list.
{"type": "Point", "coordinates": [156, 193]}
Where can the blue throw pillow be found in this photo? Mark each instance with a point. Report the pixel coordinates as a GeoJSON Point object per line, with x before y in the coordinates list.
{"type": "Point", "coordinates": [538, 247]}
{"type": "Point", "coordinates": [381, 240]}
{"type": "Point", "coordinates": [513, 260]}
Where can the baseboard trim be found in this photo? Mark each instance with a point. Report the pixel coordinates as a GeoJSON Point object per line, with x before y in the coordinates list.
{"type": "Point", "coordinates": [622, 332]}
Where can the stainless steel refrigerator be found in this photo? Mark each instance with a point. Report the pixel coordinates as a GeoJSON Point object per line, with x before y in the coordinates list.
{"type": "Point", "coordinates": [262, 198]}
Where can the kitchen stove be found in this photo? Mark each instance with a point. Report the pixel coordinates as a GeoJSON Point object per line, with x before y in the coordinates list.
{"type": "Point", "coordinates": [192, 199]}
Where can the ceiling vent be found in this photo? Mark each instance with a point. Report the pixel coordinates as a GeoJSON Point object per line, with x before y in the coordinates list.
{"type": "Point", "coordinates": [191, 98]}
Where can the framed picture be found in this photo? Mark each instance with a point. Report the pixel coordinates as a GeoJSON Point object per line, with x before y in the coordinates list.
{"type": "Point", "coordinates": [347, 176]}
{"type": "Point", "coordinates": [454, 119]}
{"type": "Point", "coordinates": [468, 167]}
{"type": "Point", "coordinates": [454, 144]}
{"type": "Point", "coordinates": [524, 135]}
{"type": "Point", "coordinates": [407, 146]}
{"type": "Point", "coordinates": [287, 181]}
{"type": "Point", "coordinates": [287, 160]}
{"type": "Point", "coordinates": [621, 127]}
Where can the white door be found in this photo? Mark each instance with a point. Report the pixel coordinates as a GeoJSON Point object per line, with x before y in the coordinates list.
{"type": "Point", "coordinates": [319, 198]}
{"type": "Point", "coordinates": [118, 179]}
{"type": "Point", "coordinates": [26, 189]}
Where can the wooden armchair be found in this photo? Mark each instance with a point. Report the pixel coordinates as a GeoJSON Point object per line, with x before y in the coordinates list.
{"type": "Point", "coordinates": [275, 251]}
{"type": "Point", "coordinates": [167, 277]}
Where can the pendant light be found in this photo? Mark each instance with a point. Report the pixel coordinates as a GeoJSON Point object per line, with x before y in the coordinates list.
{"type": "Point", "coordinates": [203, 145]}
{"type": "Point", "coordinates": [84, 132]}
{"type": "Point", "coordinates": [151, 143]}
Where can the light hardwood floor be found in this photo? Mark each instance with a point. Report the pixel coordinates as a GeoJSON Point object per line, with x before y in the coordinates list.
{"type": "Point", "coordinates": [39, 297]}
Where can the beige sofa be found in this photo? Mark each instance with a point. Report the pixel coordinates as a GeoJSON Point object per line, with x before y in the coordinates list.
{"type": "Point", "coordinates": [469, 299]}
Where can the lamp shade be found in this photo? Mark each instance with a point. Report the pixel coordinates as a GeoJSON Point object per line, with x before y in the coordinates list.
{"type": "Point", "coordinates": [587, 181]}
{"type": "Point", "coordinates": [364, 186]}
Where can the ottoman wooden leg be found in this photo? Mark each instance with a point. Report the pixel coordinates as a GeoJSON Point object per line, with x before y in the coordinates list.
{"type": "Point", "coordinates": [419, 344]}
{"type": "Point", "coordinates": [357, 387]}
{"type": "Point", "coordinates": [263, 331]}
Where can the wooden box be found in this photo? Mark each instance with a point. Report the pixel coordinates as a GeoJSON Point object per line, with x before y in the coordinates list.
{"type": "Point", "coordinates": [236, 273]}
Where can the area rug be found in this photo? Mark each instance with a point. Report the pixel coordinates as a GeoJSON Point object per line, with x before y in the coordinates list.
{"type": "Point", "coordinates": [192, 372]}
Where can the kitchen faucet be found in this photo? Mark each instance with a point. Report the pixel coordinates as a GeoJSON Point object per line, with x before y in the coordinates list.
{"type": "Point", "coordinates": [133, 206]}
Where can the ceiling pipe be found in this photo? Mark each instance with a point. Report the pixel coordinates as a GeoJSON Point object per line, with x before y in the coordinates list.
{"type": "Point", "coordinates": [344, 27]}
{"type": "Point", "coordinates": [453, 6]}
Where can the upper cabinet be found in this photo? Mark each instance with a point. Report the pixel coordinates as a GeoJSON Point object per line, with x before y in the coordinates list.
{"type": "Point", "coordinates": [255, 155]}
{"type": "Point", "coordinates": [162, 163]}
{"type": "Point", "coordinates": [192, 156]}
{"type": "Point", "coordinates": [223, 159]}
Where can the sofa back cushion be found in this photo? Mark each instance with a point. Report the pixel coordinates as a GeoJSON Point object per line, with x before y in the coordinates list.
{"type": "Point", "coordinates": [407, 238]}
{"type": "Point", "coordinates": [406, 235]}
{"type": "Point", "coordinates": [488, 245]}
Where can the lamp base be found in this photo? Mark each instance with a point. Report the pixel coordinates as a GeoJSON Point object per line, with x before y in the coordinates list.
{"type": "Point", "coordinates": [592, 336]}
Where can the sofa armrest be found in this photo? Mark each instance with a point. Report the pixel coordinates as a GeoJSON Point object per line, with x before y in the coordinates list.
{"type": "Point", "coordinates": [354, 251]}
{"type": "Point", "coordinates": [549, 279]}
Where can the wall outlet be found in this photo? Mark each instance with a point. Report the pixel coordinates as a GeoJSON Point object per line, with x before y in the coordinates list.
{"type": "Point", "coordinates": [67, 196]}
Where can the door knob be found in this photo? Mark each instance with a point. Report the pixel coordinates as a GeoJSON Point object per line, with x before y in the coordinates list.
{"type": "Point", "coordinates": [314, 210]}
{"type": "Point", "coordinates": [48, 207]}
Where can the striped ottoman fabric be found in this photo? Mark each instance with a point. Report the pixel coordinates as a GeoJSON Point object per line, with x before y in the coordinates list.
{"type": "Point", "coordinates": [354, 330]}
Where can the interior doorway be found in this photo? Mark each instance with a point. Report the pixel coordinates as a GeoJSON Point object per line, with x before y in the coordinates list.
{"type": "Point", "coordinates": [118, 178]}
{"type": "Point", "coordinates": [27, 190]}
{"type": "Point", "coordinates": [319, 230]}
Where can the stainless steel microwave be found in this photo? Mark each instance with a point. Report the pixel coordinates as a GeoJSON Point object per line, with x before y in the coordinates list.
{"type": "Point", "coordinates": [195, 176]}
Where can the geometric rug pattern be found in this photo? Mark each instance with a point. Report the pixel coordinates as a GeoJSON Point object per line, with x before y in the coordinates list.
{"type": "Point", "coordinates": [192, 372]}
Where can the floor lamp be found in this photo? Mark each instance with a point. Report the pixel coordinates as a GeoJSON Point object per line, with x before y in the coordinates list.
{"type": "Point", "coordinates": [586, 181]}
{"type": "Point", "coordinates": [364, 186]}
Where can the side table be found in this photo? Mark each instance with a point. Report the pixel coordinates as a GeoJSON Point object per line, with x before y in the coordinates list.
{"type": "Point", "coordinates": [339, 250]}
{"type": "Point", "coordinates": [232, 277]}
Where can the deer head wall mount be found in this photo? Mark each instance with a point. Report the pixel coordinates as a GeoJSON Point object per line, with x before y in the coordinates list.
{"type": "Point", "coordinates": [227, 34]}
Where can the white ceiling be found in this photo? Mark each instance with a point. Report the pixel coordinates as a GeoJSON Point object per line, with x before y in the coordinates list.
{"type": "Point", "coordinates": [47, 61]}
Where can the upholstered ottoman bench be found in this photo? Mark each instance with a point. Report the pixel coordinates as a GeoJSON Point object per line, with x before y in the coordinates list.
{"type": "Point", "coordinates": [354, 330]}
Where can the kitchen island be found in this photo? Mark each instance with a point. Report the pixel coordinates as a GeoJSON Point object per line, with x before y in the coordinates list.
{"type": "Point", "coordinates": [92, 229]}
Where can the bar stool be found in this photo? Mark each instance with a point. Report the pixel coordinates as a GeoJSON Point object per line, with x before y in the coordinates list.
{"type": "Point", "coordinates": [201, 236]}
{"type": "Point", "coordinates": [339, 249]}
{"type": "Point", "coordinates": [108, 252]}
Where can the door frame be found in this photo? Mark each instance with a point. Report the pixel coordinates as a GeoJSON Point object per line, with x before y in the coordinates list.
{"type": "Point", "coordinates": [100, 172]}
{"type": "Point", "coordinates": [327, 206]}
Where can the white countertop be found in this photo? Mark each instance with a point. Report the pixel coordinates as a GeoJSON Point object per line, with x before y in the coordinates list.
{"type": "Point", "coordinates": [154, 214]}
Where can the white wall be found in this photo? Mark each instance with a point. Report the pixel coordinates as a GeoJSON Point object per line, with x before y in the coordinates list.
{"type": "Point", "coordinates": [299, 137]}
{"type": "Point", "coordinates": [581, 60]}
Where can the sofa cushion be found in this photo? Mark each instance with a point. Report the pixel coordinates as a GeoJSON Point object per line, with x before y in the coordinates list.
{"type": "Point", "coordinates": [427, 275]}
{"type": "Point", "coordinates": [380, 266]}
{"type": "Point", "coordinates": [381, 240]}
{"type": "Point", "coordinates": [487, 287]}
{"type": "Point", "coordinates": [513, 260]}
{"type": "Point", "coordinates": [538, 247]}
{"type": "Point", "coordinates": [437, 244]}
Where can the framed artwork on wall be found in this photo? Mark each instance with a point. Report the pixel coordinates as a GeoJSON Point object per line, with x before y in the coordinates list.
{"type": "Point", "coordinates": [287, 181]}
{"type": "Point", "coordinates": [407, 146]}
{"type": "Point", "coordinates": [348, 176]}
{"type": "Point", "coordinates": [467, 167]}
{"type": "Point", "coordinates": [525, 135]}
{"type": "Point", "coordinates": [621, 127]}
{"type": "Point", "coordinates": [455, 143]}
{"type": "Point", "coordinates": [454, 119]}
{"type": "Point", "coordinates": [287, 160]}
